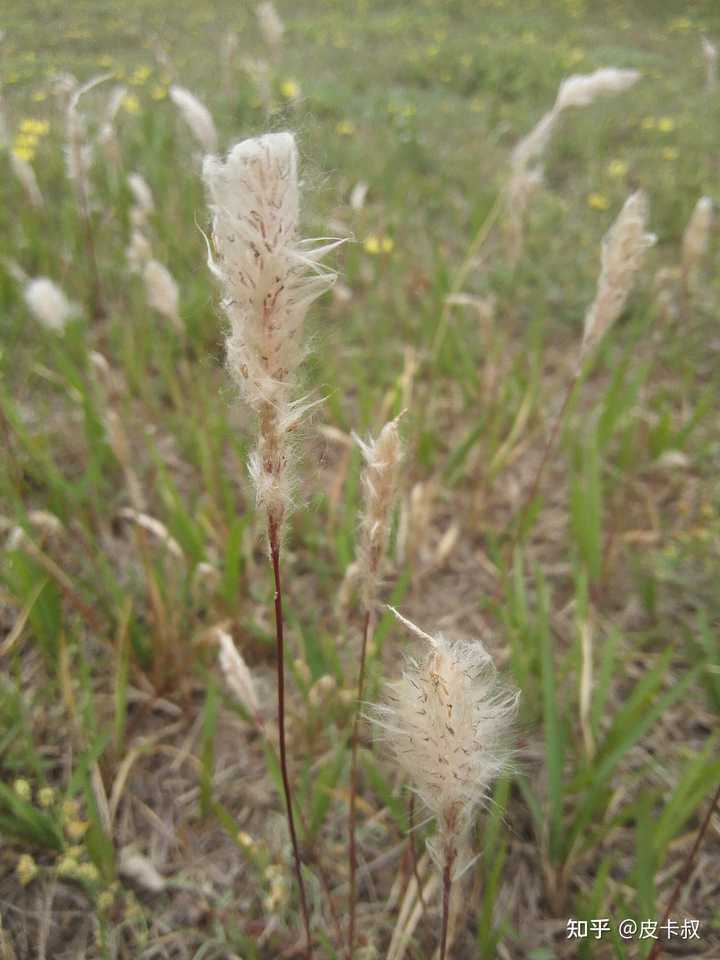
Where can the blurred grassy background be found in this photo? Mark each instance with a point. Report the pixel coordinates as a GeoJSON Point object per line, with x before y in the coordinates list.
{"type": "Point", "coordinates": [110, 695]}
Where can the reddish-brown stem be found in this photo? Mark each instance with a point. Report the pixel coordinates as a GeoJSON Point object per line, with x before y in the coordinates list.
{"type": "Point", "coordinates": [447, 888]}
{"type": "Point", "coordinates": [686, 870]}
{"type": "Point", "coordinates": [353, 787]}
{"type": "Point", "coordinates": [273, 536]}
{"type": "Point", "coordinates": [96, 306]}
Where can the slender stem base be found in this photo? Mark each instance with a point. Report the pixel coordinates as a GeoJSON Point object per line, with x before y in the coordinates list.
{"type": "Point", "coordinates": [447, 889]}
{"type": "Point", "coordinates": [273, 535]}
{"type": "Point", "coordinates": [353, 786]}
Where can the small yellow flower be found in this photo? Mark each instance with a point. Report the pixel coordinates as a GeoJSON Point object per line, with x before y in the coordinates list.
{"type": "Point", "coordinates": [26, 869]}
{"type": "Point", "coordinates": [680, 25]}
{"type": "Point", "coordinates": [648, 123]}
{"type": "Point", "coordinates": [158, 92]}
{"type": "Point", "coordinates": [666, 124]}
{"type": "Point", "coordinates": [346, 128]}
{"type": "Point", "coordinates": [290, 89]}
{"type": "Point", "coordinates": [387, 244]}
{"type": "Point", "coordinates": [105, 900]}
{"type": "Point", "coordinates": [131, 104]}
{"type": "Point", "coordinates": [669, 153]}
{"type": "Point", "coordinates": [76, 829]}
{"type": "Point", "coordinates": [70, 810]}
{"type": "Point", "coordinates": [139, 76]}
{"type": "Point", "coordinates": [597, 201]}
{"type": "Point", "coordinates": [39, 96]}
{"type": "Point", "coordinates": [617, 169]}
{"type": "Point", "coordinates": [88, 872]}
{"type": "Point", "coordinates": [575, 56]}
{"type": "Point", "coordinates": [46, 797]}
{"type": "Point", "coordinates": [67, 866]}
{"type": "Point", "coordinates": [372, 244]}
{"type": "Point", "coordinates": [23, 789]}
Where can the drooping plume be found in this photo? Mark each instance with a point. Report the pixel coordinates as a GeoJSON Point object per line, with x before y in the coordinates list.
{"type": "Point", "coordinates": [107, 137]}
{"type": "Point", "coordinates": [448, 723]}
{"type": "Point", "coordinates": [197, 116]}
{"type": "Point", "coordinates": [623, 250]}
{"type": "Point", "coordinates": [269, 279]}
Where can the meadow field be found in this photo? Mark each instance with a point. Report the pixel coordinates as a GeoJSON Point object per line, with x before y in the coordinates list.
{"type": "Point", "coordinates": [556, 500]}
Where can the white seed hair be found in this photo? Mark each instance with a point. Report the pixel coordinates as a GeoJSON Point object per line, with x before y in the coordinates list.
{"type": "Point", "coordinates": [269, 279]}
{"type": "Point", "coordinates": [197, 116]}
{"type": "Point", "coordinates": [162, 292]}
{"type": "Point", "coordinates": [623, 251]}
{"type": "Point", "coordinates": [271, 26]}
{"type": "Point", "coordinates": [448, 723]}
{"type": "Point", "coordinates": [696, 238]}
{"type": "Point", "coordinates": [49, 304]}
{"type": "Point", "coordinates": [379, 482]}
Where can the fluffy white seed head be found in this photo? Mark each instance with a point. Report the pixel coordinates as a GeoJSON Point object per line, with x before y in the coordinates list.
{"type": "Point", "coordinates": [623, 251]}
{"type": "Point", "coordinates": [270, 24]}
{"type": "Point", "coordinates": [197, 116]}
{"type": "Point", "coordinates": [79, 149]}
{"type": "Point", "coordinates": [581, 89]}
{"type": "Point", "coordinates": [448, 723]}
{"type": "Point", "coordinates": [269, 280]}
{"type": "Point", "coordinates": [379, 482]}
{"type": "Point", "coordinates": [49, 304]}
{"type": "Point", "coordinates": [696, 237]}
{"type": "Point", "coordinates": [162, 292]}
{"type": "Point", "coordinates": [27, 180]}
{"type": "Point", "coordinates": [578, 90]}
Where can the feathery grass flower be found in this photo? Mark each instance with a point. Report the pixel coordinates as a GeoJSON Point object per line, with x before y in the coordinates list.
{"type": "Point", "coordinates": [49, 304]}
{"type": "Point", "coordinates": [696, 238]}
{"type": "Point", "coordinates": [448, 722]}
{"type": "Point", "coordinates": [270, 279]}
{"type": "Point", "coordinates": [162, 292]}
{"type": "Point", "coordinates": [623, 250]}
{"type": "Point", "coordinates": [197, 116]}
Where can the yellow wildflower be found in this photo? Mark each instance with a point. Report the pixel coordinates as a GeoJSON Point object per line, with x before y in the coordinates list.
{"type": "Point", "coordinates": [617, 168]}
{"type": "Point", "coordinates": [666, 124]}
{"type": "Point", "coordinates": [372, 244]}
{"type": "Point", "coordinates": [67, 866]}
{"type": "Point", "coordinates": [575, 56]}
{"type": "Point", "coordinates": [290, 89]}
{"type": "Point", "coordinates": [76, 829]}
{"type": "Point", "coordinates": [346, 128]}
{"type": "Point", "coordinates": [26, 869]}
{"type": "Point", "coordinates": [139, 76]}
{"type": "Point", "coordinates": [39, 96]}
{"type": "Point", "coordinates": [158, 92]}
{"type": "Point", "coordinates": [46, 797]}
{"type": "Point", "coordinates": [669, 153]}
{"type": "Point", "coordinates": [70, 810]}
{"type": "Point", "coordinates": [23, 789]}
{"type": "Point", "coordinates": [131, 104]}
{"type": "Point", "coordinates": [245, 840]}
{"type": "Point", "coordinates": [88, 872]}
{"type": "Point", "coordinates": [387, 244]}
{"type": "Point", "coordinates": [597, 201]}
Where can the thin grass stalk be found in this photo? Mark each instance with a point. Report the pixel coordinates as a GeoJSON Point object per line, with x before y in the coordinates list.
{"type": "Point", "coordinates": [447, 891]}
{"type": "Point", "coordinates": [274, 539]}
{"type": "Point", "coordinates": [686, 870]}
{"type": "Point", "coordinates": [367, 631]}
